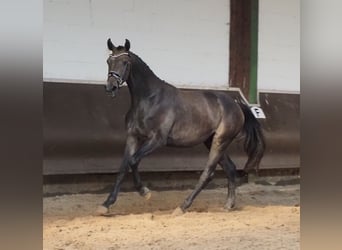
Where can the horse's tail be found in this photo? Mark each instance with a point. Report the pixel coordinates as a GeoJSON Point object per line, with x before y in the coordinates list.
{"type": "Point", "coordinates": [254, 144]}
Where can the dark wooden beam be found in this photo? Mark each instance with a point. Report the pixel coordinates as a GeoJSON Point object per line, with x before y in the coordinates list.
{"type": "Point", "coordinates": [240, 45]}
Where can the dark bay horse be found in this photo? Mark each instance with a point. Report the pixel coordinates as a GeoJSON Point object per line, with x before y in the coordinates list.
{"type": "Point", "coordinates": [160, 114]}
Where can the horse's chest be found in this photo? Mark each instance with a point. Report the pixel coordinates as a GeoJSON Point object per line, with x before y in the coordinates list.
{"type": "Point", "coordinates": [136, 124]}
{"type": "Point", "coordinates": [147, 120]}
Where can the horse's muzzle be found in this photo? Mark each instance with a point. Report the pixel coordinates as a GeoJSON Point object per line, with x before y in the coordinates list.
{"type": "Point", "coordinates": [111, 90]}
{"type": "Point", "coordinates": [108, 88]}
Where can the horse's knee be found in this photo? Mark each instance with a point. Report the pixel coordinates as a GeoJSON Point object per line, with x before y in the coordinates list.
{"type": "Point", "coordinates": [132, 161]}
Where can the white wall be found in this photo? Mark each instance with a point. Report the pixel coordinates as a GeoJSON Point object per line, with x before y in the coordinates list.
{"type": "Point", "coordinates": [279, 45]}
{"type": "Point", "coordinates": [184, 42]}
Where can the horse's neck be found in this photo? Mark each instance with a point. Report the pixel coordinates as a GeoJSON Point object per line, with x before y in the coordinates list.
{"type": "Point", "coordinates": [142, 83]}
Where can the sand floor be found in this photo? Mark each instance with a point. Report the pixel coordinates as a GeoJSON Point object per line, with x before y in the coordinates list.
{"type": "Point", "coordinates": [266, 217]}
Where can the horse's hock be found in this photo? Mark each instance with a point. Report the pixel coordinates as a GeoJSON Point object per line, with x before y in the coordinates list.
{"type": "Point", "coordinates": [84, 133]}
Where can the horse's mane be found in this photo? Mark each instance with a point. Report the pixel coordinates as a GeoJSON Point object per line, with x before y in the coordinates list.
{"type": "Point", "coordinates": [145, 69]}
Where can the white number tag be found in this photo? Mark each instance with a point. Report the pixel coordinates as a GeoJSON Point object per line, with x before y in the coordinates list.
{"type": "Point", "coordinates": [258, 113]}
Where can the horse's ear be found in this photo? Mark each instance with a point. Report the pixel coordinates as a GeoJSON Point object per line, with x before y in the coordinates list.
{"type": "Point", "coordinates": [110, 45]}
{"type": "Point", "coordinates": [127, 44]}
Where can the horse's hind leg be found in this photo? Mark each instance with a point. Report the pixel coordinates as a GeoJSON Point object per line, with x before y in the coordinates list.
{"type": "Point", "coordinates": [229, 168]}
{"type": "Point", "coordinates": [216, 151]}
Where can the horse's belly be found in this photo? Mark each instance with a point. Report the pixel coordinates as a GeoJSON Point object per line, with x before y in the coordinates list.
{"type": "Point", "coordinates": [188, 137]}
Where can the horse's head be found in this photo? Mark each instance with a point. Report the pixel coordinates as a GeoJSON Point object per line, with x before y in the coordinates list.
{"type": "Point", "coordinates": [119, 66]}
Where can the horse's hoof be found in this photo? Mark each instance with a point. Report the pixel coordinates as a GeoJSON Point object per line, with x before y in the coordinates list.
{"type": "Point", "coordinates": [146, 193]}
{"type": "Point", "coordinates": [101, 210]}
{"type": "Point", "coordinates": [229, 207]}
{"type": "Point", "coordinates": [177, 212]}
{"type": "Point", "coordinates": [148, 196]}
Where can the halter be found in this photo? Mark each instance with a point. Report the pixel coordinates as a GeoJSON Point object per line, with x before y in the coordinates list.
{"type": "Point", "coordinates": [116, 75]}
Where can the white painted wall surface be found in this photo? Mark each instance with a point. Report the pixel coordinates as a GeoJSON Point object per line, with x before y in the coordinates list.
{"type": "Point", "coordinates": [185, 42]}
{"type": "Point", "coordinates": [279, 45]}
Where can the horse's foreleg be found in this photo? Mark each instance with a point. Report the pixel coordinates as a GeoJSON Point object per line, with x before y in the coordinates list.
{"type": "Point", "coordinates": [146, 148]}
{"type": "Point", "coordinates": [131, 147]}
{"type": "Point", "coordinates": [104, 208]}
{"type": "Point", "coordinates": [143, 190]}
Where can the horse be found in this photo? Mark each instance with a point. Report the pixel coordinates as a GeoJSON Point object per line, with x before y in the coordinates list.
{"type": "Point", "coordinates": [163, 115]}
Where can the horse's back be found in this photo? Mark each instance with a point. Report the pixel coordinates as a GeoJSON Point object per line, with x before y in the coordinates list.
{"type": "Point", "coordinates": [208, 102]}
